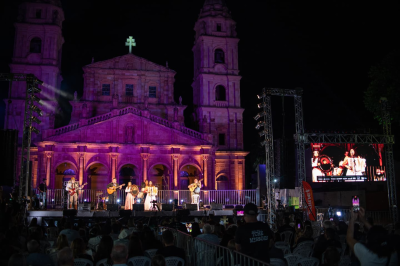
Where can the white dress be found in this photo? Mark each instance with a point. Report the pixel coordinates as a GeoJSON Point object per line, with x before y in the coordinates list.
{"type": "Point", "coordinates": [151, 195]}
{"type": "Point", "coordinates": [315, 171]}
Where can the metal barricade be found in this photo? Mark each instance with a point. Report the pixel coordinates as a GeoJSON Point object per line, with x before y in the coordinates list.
{"type": "Point", "coordinates": [201, 252]}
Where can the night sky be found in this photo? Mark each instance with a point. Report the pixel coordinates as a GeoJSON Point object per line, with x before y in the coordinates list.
{"type": "Point", "coordinates": [325, 47]}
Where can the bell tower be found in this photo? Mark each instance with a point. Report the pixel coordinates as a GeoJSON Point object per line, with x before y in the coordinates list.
{"type": "Point", "coordinates": [216, 84]}
{"type": "Point", "coordinates": [37, 50]}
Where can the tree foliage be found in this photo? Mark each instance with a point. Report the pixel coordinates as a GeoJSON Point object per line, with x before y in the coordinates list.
{"type": "Point", "coordinates": [385, 82]}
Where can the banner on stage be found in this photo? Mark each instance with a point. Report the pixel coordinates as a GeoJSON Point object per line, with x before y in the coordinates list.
{"type": "Point", "coordinates": [309, 198]}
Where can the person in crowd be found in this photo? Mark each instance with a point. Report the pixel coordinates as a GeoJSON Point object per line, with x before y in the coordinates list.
{"type": "Point", "coordinates": [203, 222]}
{"type": "Point", "coordinates": [330, 241]}
{"type": "Point", "coordinates": [62, 242]}
{"type": "Point", "coordinates": [169, 249]}
{"type": "Point", "coordinates": [135, 247]}
{"type": "Point", "coordinates": [104, 249]}
{"type": "Point", "coordinates": [39, 237]}
{"type": "Point", "coordinates": [116, 229]}
{"type": "Point", "coordinates": [17, 260]}
{"type": "Point", "coordinates": [123, 238]}
{"type": "Point", "coordinates": [306, 235]}
{"type": "Point", "coordinates": [149, 240]}
{"type": "Point", "coordinates": [342, 228]}
{"type": "Point", "coordinates": [79, 249]}
{"type": "Point", "coordinates": [65, 257]}
{"type": "Point", "coordinates": [95, 237]}
{"type": "Point", "coordinates": [377, 250]}
{"type": "Point", "coordinates": [195, 230]}
{"type": "Point", "coordinates": [35, 258]}
{"type": "Point", "coordinates": [287, 227]}
{"type": "Point", "coordinates": [158, 260]}
{"type": "Point", "coordinates": [208, 235]}
{"type": "Point", "coordinates": [228, 235]}
{"type": "Point", "coordinates": [254, 237]}
{"type": "Point", "coordinates": [69, 232]}
{"type": "Point", "coordinates": [219, 231]}
{"type": "Point", "coordinates": [331, 257]}
{"type": "Point", "coordinates": [275, 252]}
{"type": "Point", "coordinates": [119, 255]}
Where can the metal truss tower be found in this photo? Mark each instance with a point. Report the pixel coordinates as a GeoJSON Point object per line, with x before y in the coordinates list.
{"type": "Point", "coordinates": [30, 98]}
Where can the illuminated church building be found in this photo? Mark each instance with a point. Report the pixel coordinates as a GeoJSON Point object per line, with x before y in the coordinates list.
{"type": "Point", "coordinates": [127, 124]}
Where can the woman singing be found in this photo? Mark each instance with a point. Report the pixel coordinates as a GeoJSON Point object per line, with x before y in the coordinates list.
{"type": "Point", "coordinates": [130, 199]}
{"type": "Point", "coordinates": [151, 195]}
{"type": "Point", "coordinates": [315, 165]}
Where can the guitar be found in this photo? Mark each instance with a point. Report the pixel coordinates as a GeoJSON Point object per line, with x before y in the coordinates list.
{"type": "Point", "coordinates": [72, 191]}
{"type": "Point", "coordinates": [193, 187]}
{"type": "Point", "coordinates": [111, 190]}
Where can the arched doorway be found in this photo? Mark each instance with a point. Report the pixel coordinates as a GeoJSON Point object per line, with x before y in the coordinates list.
{"type": "Point", "coordinates": [187, 176]}
{"type": "Point", "coordinates": [159, 175]}
{"type": "Point", "coordinates": [97, 176]}
{"type": "Point", "coordinates": [127, 173]}
{"type": "Point", "coordinates": [222, 182]}
{"type": "Point", "coordinates": [64, 172]}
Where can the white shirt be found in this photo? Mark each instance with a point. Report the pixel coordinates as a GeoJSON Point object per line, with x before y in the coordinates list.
{"type": "Point", "coordinates": [368, 258]}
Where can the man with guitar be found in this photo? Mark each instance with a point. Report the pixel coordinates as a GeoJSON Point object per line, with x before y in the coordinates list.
{"type": "Point", "coordinates": [42, 190]}
{"type": "Point", "coordinates": [112, 191]}
{"type": "Point", "coordinates": [72, 188]}
{"type": "Point", "coordinates": [195, 191]}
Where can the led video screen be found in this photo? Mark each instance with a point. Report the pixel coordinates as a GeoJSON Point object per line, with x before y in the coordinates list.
{"type": "Point", "coordinates": [334, 162]}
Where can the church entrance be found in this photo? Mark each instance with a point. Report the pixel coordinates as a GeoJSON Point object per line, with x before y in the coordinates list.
{"type": "Point", "coordinates": [97, 176]}
{"type": "Point", "coordinates": [187, 176]}
{"type": "Point", "coordinates": [64, 172]}
{"type": "Point", "coordinates": [129, 173]}
{"type": "Point", "coordinates": [159, 175]}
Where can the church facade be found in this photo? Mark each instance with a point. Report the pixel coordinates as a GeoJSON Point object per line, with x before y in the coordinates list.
{"type": "Point", "coordinates": [126, 124]}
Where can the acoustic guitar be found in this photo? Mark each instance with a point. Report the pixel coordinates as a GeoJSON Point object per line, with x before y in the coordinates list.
{"type": "Point", "coordinates": [111, 190]}
{"type": "Point", "coordinates": [192, 188]}
{"type": "Point", "coordinates": [72, 191]}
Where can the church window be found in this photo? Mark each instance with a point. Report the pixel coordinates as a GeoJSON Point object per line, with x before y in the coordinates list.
{"type": "Point", "coordinates": [129, 90]}
{"type": "Point", "coordinates": [221, 139]}
{"type": "Point", "coordinates": [219, 27]}
{"type": "Point", "coordinates": [105, 90]}
{"type": "Point", "coordinates": [36, 45]}
{"type": "Point", "coordinates": [38, 13]}
{"type": "Point", "coordinates": [220, 94]}
{"type": "Point", "coordinates": [152, 92]}
{"type": "Point", "coordinates": [219, 56]}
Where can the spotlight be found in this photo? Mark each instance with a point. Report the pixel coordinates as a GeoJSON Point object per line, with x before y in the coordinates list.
{"type": "Point", "coordinates": [35, 120]}
{"type": "Point", "coordinates": [260, 124]}
{"type": "Point", "coordinates": [261, 96]}
{"type": "Point", "coordinates": [35, 130]}
{"type": "Point", "coordinates": [170, 200]}
{"type": "Point", "coordinates": [259, 115]}
{"type": "Point", "coordinates": [36, 109]}
{"type": "Point", "coordinates": [107, 200]}
{"type": "Point", "coordinates": [36, 99]}
{"type": "Point", "coordinates": [85, 200]}
{"type": "Point", "coordinates": [34, 89]}
{"type": "Point", "coordinates": [261, 105]}
{"type": "Point", "coordinates": [118, 200]}
{"type": "Point", "coordinates": [262, 133]}
{"type": "Point", "coordinates": [38, 81]}
{"type": "Point", "coordinates": [275, 180]}
{"type": "Point", "coordinates": [339, 214]}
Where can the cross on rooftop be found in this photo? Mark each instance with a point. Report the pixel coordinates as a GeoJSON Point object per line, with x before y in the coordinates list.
{"type": "Point", "coordinates": [130, 42]}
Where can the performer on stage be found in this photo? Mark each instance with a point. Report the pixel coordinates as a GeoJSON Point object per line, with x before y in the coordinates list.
{"type": "Point", "coordinates": [130, 199]}
{"type": "Point", "coordinates": [112, 198]}
{"type": "Point", "coordinates": [195, 191]}
{"type": "Point", "coordinates": [151, 196]}
{"type": "Point", "coordinates": [351, 163]}
{"type": "Point", "coordinates": [315, 165]}
{"type": "Point", "coordinates": [72, 188]}
{"type": "Point", "coordinates": [43, 190]}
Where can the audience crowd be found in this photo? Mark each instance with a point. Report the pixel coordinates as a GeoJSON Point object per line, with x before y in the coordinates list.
{"type": "Point", "coordinates": [115, 241]}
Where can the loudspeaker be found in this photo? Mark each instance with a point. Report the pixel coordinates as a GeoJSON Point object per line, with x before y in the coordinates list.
{"type": "Point", "coordinates": [138, 207]}
{"type": "Point", "coordinates": [167, 207]}
{"type": "Point", "coordinates": [182, 213]}
{"type": "Point", "coordinates": [70, 213]}
{"type": "Point", "coordinates": [8, 156]}
{"type": "Point", "coordinates": [192, 207]}
{"type": "Point", "coordinates": [112, 207]}
{"type": "Point", "coordinates": [215, 206]}
{"type": "Point", "coordinates": [84, 206]}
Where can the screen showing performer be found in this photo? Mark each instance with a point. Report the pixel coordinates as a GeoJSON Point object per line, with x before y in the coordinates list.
{"type": "Point", "coordinates": [340, 162]}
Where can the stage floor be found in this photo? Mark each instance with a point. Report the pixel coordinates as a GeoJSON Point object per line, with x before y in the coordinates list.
{"type": "Point", "coordinates": [102, 213]}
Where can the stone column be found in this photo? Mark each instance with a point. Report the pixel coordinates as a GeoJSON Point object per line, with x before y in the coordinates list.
{"type": "Point", "coordinates": [48, 168]}
{"type": "Point", "coordinates": [35, 164]}
{"type": "Point", "coordinates": [113, 166]}
{"type": "Point", "coordinates": [205, 176]}
{"type": "Point", "coordinates": [175, 158]}
{"type": "Point", "coordinates": [145, 157]}
{"type": "Point", "coordinates": [81, 168]}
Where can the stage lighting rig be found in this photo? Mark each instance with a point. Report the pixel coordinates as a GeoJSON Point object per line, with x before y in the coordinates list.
{"type": "Point", "coordinates": [262, 133]}
{"type": "Point", "coordinates": [259, 115]}
{"type": "Point", "coordinates": [261, 105]}
{"type": "Point", "coordinates": [35, 120]}
{"type": "Point", "coordinates": [36, 99]}
{"type": "Point", "coordinates": [260, 124]}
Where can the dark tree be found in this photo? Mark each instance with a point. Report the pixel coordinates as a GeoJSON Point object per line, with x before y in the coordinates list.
{"type": "Point", "coordinates": [385, 82]}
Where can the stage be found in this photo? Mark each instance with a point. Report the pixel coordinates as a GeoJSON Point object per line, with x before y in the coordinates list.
{"type": "Point", "coordinates": [123, 213]}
